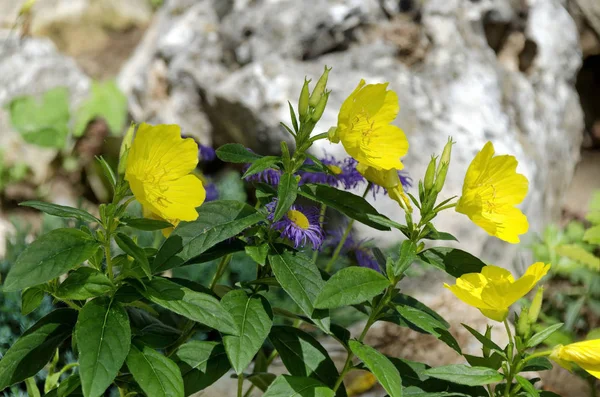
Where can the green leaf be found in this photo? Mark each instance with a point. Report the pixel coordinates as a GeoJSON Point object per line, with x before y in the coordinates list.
{"type": "Point", "coordinates": [262, 380]}
{"type": "Point", "coordinates": [32, 389]}
{"type": "Point", "coordinates": [414, 391]}
{"type": "Point", "coordinates": [527, 386]}
{"type": "Point", "coordinates": [494, 361]}
{"type": "Point", "coordinates": [108, 172]}
{"type": "Point", "coordinates": [217, 221]}
{"type": "Point", "coordinates": [201, 364]}
{"type": "Point", "coordinates": [156, 374]}
{"type": "Point", "coordinates": [145, 224]}
{"type": "Point", "coordinates": [543, 335]}
{"type": "Point", "coordinates": [253, 317]}
{"type": "Point", "coordinates": [103, 338]}
{"type": "Point", "coordinates": [61, 210]}
{"type": "Point", "coordinates": [453, 261]}
{"type": "Point", "coordinates": [287, 190]}
{"type": "Point", "coordinates": [135, 251]}
{"type": "Point", "coordinates": [105, 101]}
{"type": "Point", "coordinates": [537, 364]}
{"type": "Point", "coordinates": [294, 386]}
{"type": "Point", "coordinates": [236, 153]}
{"type": "Point", "coordinates": [293, 117]}
{"type": "Point", "coordinates": [32, 351]}
{"type": "Point", "coordinates": [408, 254]}
{"type": "Point", "coordinates": [383, 369]}
{"type": "Point", "coordinates": [406, 300]}
{"type": "Point", "coordinates": [350, 286]}
{"type": "Point", "coordinates": [31, 298]}
{"type": "Point", "coordinates": [579, 254]}
{"type": "Point", "coordinates": [303, 355]}
{"type": "Point", "coordinates": [301, 279]}
{"type": "Point", "coordinates": [258, 253]}
{"type": "Point", "coordinates": [429, 324]}
{"type": "Point", "coordinates": [592, 235]}
{"type": "Point", "coordinates": [70, 386]}
{"type": "Point", "coordinates": [261, 165]}
{"type": "Point", "coordinates": [465, 375]}
{"type": "Point", "coordinates": [347, 203]}
{"type": "Point", "coordinates": [485, 341]}
{"type": "Point", "coordinates": [50, 256]}
{"type": "Point", "coordinates": [196, 306]}
{"type": "Point", "coordinates": [44, 122]}
{"type": "Point", "coordinates": [150, 331]}
{"type": "Point", "coordinates": [435, 235]}
{"type": "Point", "coordinates": [84, 283]}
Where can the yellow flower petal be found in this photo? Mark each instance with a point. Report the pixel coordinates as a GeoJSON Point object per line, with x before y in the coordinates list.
{"type": "Point", "coordinates": [586, 354]}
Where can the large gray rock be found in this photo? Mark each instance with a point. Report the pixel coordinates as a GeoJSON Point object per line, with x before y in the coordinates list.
{"type": "Point", "coordinates": [229, 71]}
{"type": "Point", "coordinates": [32, 67]}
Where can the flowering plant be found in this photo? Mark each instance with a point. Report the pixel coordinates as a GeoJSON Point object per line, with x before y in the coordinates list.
{"type": "Point", "coordinates": [134, 328]}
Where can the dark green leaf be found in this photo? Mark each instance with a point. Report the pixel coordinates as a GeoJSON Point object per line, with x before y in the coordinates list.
{"type": "Point", "coordinates": [414, 391]}
{"type": "Point", "coordinates": [261, 165]}
{"type": "Point", "coordinates": [537, 364]}
{"type": "Point", "coordinates": [383, 369]}
{"type": "Point", "coordinates": [527, 386]}
{"type": "Point", "coordinates": [293, 117]}
{"type": "Point", "coordinates": [435, 235]}
{"type": "Point", "coordinates": [135, 251]}
{"type": "Point", "coordinates": [236, 153]}
{"type": "Point", "coordinates": [108, 172]}
{"type": "Point", "coordinates": [61, 210]}
{"type": "Point", "coordinates": [217, 221]}
{"type": "Point", "coordinates": [253, 317]}
{"type": "Point", "coordinates": [262, 380]}
{"type": "Point", "coordinates": [258, 253]}
{"type": "Point", "coordinates": [70, 386]}
{"type": "Point", "coordinates": [408, 254]}
{"type": "Point", "coordinates": [453, 261]}
{"type": "Point", "coordinates": [156, 374]}
{"type": "Point", "coordinates": [146, 224]}
{"type": "Point", "coordinates": [31, 298]}
{"type": "Point", "coordinates": [494, 361]}
{"type": "Point", "coordinates": [287, 190]}
{"type": "Point", "coordinates": [196, 306]}
{"type": "Point", "coordinates": [543, 335]}
{"type": "Point", "coordinates": [429, 324]}
{"type": "Point", "coordinates": [32, 351]}
{"type": "Point", "coordinates": [406, 300]}
{"type": "Point", "coordinates": [218, 251]}
{"type": "Point", "coordinates": [301, 279]}
{"type": "Point", "coordinates": [465, 375]}
{"type": "Point", "coordinates": [350, 286]}
{"type": "Point", "coordinates": [50, 256]}
{"type": "Point", "coordinates": [84, 283]}
{"type": "Point", "coordinates": [103, 337]}
{"type": "Point", "coordinates": [303, 355]}
{"type": "Point", "coordinates": [485, 341]}
{"type": "Point", "coordinates": [347, 203]}
{"type": "Point", "coordinates": [293, 386]}
{"type": "Point", "coordinates": [151, 331]}
{"type": "Point", "coordinates": [201, 364]}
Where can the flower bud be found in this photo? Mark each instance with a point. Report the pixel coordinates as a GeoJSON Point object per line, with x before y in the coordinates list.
{"type": "Point", "coordinates": [320, 108]}
{"type": "Point", "coordinates": [125, 145]}
{"type": "Point", "coordinates": [303, 101]}
{"type": "Point", "coordinates": [523, 325]}
{"type": "Point", "coordinates": [488, 334]}
{"type": "Point", "coordinates": [430, 174]}
{"type": "Point", "coordinates": [536, 305]}
{"type": "Point", "coordinates": [440, 179]}
{"type": "Point", "coordinates": [332, 135]}
{"type": "Point", "coordinates": [315, 97]}
{"type": "Point", "coordinates": [446, 153]}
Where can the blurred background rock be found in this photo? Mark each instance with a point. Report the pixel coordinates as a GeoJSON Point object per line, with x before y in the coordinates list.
{"type": "Point", "coordinates": [524, 74]}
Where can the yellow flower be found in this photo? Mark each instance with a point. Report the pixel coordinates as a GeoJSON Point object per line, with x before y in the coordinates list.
{"type": "Point", "coordinates": [159, 166]}
{"type": "Point", "coordinates": [364, 127]}
{"type": "Point", "coordinates": [389, 180]}
{"type": "Point", "coordinates": [586, 354]}
{"type": "Point", "coordinates": [494, 290]}
{"type": "Point", "coordinates": [491, 190]}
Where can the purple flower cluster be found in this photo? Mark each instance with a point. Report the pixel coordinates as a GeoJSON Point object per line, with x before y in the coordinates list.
{"type": "Point", "coordinates": [343, 173]}
{"type": "Point", "coordinates": [269, 176]}
{"type": "Point", "coordinates": [358, 250]}
{"type": "Point", "coordinates": [206, 153]}
{"type": "Point", "coordinates": [211, 192]}
{"type": "Point", "coordinates": [299, 224]}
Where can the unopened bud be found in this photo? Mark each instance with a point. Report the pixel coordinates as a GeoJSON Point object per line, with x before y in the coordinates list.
{"type": "Point", "coordinates": [446, 153]}
{"type": "Point", "coordinates": [430, 174]}
{"type": "Point", "coordinates": [488, 335]}
{"type": "Point", "coordinates": [523, 325]}
{"type": "Point", "coordinates": [320, 108]}
{"type": "Point", "coordinates": [332, 135]}
{"type": "Point", "coordinates": [315, 97]}
{"type": "Point", "coordinates": [536, 305]}
{"type": "Point", "coordinates": [303, 101]}
{"type": "Point", "coordinates": [125, 145]}
{"type": "Point", "coordinates": [440, 178]}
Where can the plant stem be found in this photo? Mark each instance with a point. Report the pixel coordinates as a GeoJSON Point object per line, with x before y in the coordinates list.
{"type": "Point", "coordinates": [536, 355]}
{"type": "Point", "coordinates": [321, 220]}
{"type": "Point", "coordinates": [510, 363]}
{"type": "Point", "coordinates": [240, 385]}
{"type": "Point", "coordinates": [71, 304]}
{"type": "Point", "coordinates": [220, 269]}
{"type": "Point", "coordinates": [109, 266]}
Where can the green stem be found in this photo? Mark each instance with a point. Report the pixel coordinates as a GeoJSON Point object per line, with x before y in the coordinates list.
{"type": "Point", "coordinates": [321, 220]}
{"type": "Point", "coordinates": [536, 355]}
{"type": "Point", "coordinates": [109, 266]}
{"type": "Point", "coordinates": [272, 357]}
{"type": "Point", "coordinates": [338, 249]}
{"type": "Point", "coordinates": [71, 304]}
{"type": "Point", "coordinates": [510, 362]}
{"type": "Point", "coordinates": [240, 385]}
{"type": "Point", "coordinates": [220, 269]}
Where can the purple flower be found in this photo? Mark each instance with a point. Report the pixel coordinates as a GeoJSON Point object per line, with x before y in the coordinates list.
{"type": "Point", "coordinates": [300, 225]}
{"type": "Point", "coordinates": [270, 176]}
{"type": "Point", "coordinates": [211, 192]}
{"type": "Point", "coordinates": [365, 258]}
{"type": "Point", "coordinates": [358, 250]}
{"type": "Point", "coordinates": [206, 153]}
{"type": "Point", "coordinates": [344, 173]}
{"type": "Point", "coordinates": [405, 179]}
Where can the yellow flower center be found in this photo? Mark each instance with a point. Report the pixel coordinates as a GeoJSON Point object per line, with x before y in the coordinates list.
{"type": "Point", "coordinates": [299, 219]}
{"type": "Point", "coordinates": [335, 169]}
